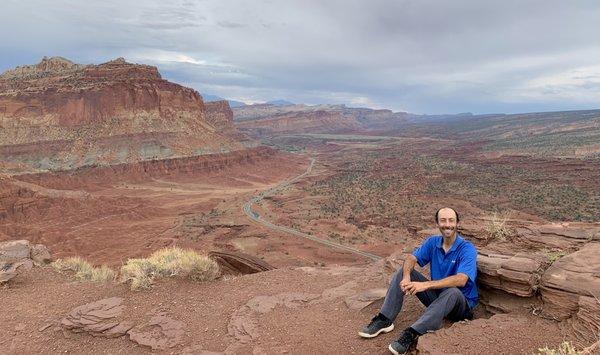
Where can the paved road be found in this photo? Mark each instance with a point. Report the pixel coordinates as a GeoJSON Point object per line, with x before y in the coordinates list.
{"type": "Point", "coordinates": [247, 208]}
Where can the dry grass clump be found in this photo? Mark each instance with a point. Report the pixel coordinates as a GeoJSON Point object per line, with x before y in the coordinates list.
{"type": "Point", "coordinates": [83, 270]}
{"type": "Point", "coordinates": [498, 229]}
{"type": "Point", "coordinates": [565, 348]}
{"type": "Point", "coordinates": [169, 262]}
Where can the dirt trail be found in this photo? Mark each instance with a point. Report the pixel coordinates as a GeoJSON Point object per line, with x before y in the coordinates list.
{"type": "Point", "coordinates": [247, 208]}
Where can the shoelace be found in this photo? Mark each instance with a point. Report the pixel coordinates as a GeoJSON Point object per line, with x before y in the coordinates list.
{"type": "Point", "coordinates": [406, 338]}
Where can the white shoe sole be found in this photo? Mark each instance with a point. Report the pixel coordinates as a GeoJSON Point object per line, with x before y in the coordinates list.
{"type": "Point", "coordinates": [382, 330]}
{"type": "Point", "coordinates": [393, 351]}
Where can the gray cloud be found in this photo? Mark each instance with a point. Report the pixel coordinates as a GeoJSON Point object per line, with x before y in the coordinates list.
{"type": "Point", "coordinates": [415, 55]}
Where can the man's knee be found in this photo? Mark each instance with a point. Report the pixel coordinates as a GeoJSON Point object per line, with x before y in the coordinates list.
{"type": "Point", "coordinates": [453, 293]}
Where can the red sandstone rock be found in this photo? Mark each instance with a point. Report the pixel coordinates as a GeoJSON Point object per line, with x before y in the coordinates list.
{"type": "Point", "coordinates": [14, 251]}
{"type": "Point", "coordinates": [40, 255]}
{"type": "Point", "coordinates": [100, 318]}
{"type": "Point", "coordinates": [160, 333]}
{"type": "Point", "coordinates": [61, 115]}
{"type": "Point", "coordinates": [20, 255]}
{"type": "Point", "coordinates": [516, 274]}
{"type": "Point", "coordinates": [571, 288]}
{"type": "Point", "coordinates": [219, 115]}
{"type": "Point", "coordinates": [365, 298]}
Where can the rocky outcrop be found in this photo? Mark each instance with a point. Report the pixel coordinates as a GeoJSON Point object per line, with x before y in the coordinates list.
{"type": "Point", "coordinates": [59, 115]}
{"type": "Point", "coordinates": [100, 318]}
{"type": "Point", "coordinates": [554, 284]}
{"type": "Point", "coordinates": [195, 165]}
{"type": "Point", "coordinates": [236, 263]}
{"type": "Point", "coordinates": [159, 333]}
{"type": "Point", "coordinates": [72, 95]}
{"type": "Point", "coordinates": [19, 255]}
{"type": "Point", "coordinates": [219, 115]}
{"type": "Point", "coordinates": [561, 236]}
{"type": "Point", "coordinates": [104, 318]}
{"type": "Point", "coordinates": [571, 288]}
{"type": "Point", "coordinates": [517, 274]}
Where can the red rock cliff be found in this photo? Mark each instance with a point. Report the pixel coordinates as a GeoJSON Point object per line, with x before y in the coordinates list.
{"type": "Point", "coordinates": [61, 115]}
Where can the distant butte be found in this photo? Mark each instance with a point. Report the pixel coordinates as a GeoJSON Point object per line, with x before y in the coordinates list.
{"type": "Point", "coordinates": [58, 115]}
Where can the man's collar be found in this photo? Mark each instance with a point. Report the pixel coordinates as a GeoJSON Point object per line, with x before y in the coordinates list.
{"type": "Point", "coordinates": [457, 242]}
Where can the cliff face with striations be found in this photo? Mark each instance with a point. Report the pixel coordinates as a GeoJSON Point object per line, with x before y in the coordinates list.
{"type": "Point", "coordinates": [219, 115]}
{"type": "Point", "coordinates": [264, 119]}
{"type": "Point", "coordinates": [62, 115]}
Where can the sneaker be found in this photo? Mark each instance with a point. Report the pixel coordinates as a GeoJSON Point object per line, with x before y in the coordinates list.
{"type": "Point", "coordinates": [378, 325]}
{"type": "Point", "coordinates": [406, 340]}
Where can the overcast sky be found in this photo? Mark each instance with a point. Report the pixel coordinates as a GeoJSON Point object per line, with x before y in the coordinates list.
{"type": "Point", "coordinates": [418, 56]}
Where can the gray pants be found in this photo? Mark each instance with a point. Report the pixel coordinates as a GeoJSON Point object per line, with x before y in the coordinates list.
{"type": "Point", "coordinates": [447, 303]}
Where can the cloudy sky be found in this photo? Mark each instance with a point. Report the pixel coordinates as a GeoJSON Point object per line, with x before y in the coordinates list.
{"type": "Point", "coordinates": [408, 55]}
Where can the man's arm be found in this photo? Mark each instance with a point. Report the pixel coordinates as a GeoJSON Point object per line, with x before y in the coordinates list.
{"type": "Point", "coordinates": [407, 267]}
{"type": "Point", "coordinates": [458, 280]}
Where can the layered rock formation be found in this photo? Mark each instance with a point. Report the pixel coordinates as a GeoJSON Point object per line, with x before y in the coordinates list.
{"type": "Point", "coordinates": [194, 165]}
{"type": "Point", "coordinates": [62, 115]}
{"type": "Point", "coordinates": [570, 288]}
{"type": "Point", "coordinates": [100, 318]}
{"type": "Point", "coordinates": [551, 270]}
{"type": "Point", "coordinates": [236, 263]}
{"type": "Point", "coordinates": [293, 119]}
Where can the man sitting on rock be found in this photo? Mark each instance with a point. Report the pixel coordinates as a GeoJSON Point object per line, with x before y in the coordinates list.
{"type": "Point", "coordinates": [451, 293]}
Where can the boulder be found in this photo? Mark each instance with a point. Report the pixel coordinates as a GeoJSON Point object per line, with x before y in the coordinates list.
{"type": "Point", "coordinates": [100, 318]}
{"type": "Point", "coordinates": [20, 255]}
{"type": "Point", "coordinates": [40, 255]}
{"type": "Point", "coordinates": [14, 251]}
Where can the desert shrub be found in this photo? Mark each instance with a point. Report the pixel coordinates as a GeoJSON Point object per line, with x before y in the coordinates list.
{"type": "Point", "coordinates": [84, 271]}
{"type": "Point", "coordinates": [498, 229]}
{"type": "Point", "coordinates": [169, 262]}
{"type": "Point", "coordinates": [565, 348]}
{"type": "Point", "coordinates": [554, 255]}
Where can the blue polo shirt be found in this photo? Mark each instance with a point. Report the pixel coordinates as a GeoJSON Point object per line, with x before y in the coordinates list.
{"type": "Point", "coordinates": [461, 258]}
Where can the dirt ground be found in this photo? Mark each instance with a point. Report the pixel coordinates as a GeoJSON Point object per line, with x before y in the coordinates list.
{"type": "Point", "coordinates": [378, 198]}
{"type": "Point", "coordinates": [314, 320]}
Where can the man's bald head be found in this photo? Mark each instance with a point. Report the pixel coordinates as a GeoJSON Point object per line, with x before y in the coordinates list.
{"type": "Point", "coordinates": [446, 213]}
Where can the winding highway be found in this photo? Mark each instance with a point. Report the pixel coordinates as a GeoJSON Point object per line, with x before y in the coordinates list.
{"type": "Point", "coordinates": [247, 208]}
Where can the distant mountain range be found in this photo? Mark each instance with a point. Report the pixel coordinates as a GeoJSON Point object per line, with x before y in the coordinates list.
{"type": "Point", "coordinates": [234, 103]}
{"type": "Point", "coordinates": [212, 98]}
{"type": "Point", "coordinates": [279, 102]}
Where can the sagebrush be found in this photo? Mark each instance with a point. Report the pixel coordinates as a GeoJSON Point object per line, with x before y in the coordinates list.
{"type": "Point", "coordinates": [169, 262]}
{"type": "Point", "coordinates": [84, 271]}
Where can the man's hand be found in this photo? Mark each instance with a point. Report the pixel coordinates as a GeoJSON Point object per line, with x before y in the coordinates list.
{"type": "Point", "coordinates": [414, 287]}
{"type": "Point", "coordinates": [405, 281]}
